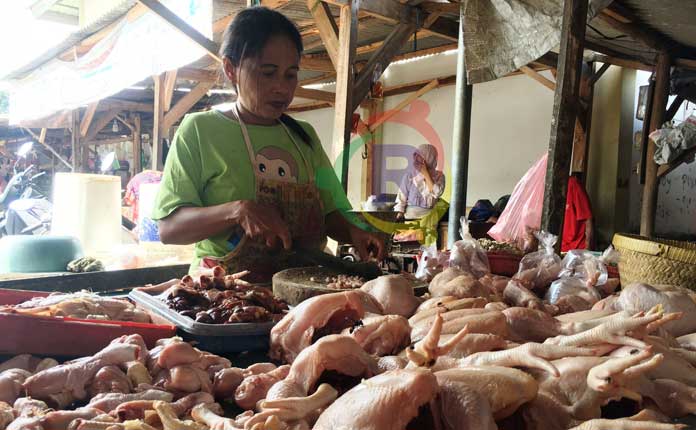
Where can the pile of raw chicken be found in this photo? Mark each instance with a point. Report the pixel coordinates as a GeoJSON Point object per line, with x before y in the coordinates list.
{"type": "Point", "coordinates": [479, 353]}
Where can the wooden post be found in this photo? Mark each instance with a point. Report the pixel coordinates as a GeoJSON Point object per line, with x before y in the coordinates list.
{"type": "Point", "coordinates": [75, 142]}
{"type": "Point", "coordinates": [646, 129]}
{"type": "Point", "coordinates": [460, 140]}
{"type": "Point", "coordinates": [581, 139]}
{"type": "Point", "coordinates": [137, 144]}
{"type": "Point", "coordinates": [659, 106]}
{"type": "Point", "coordinates": [347, 40]}
{"type": "Point", "coordinates": [565, 113]}
{"type": "Point", "coordinates": [158, 122]}
{"type": "Point", "coordinates": [374, 111]}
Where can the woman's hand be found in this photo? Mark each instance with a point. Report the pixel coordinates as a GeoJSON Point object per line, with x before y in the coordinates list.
{"type": "Point", "coordinates": [368, 244]}
{"type": "Point", "coordinates": [260, 221]}
{"type": "Point", "coordinates": [400, 216]}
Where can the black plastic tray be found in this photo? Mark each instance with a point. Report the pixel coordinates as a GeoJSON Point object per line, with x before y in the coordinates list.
{"type": "Point", "coordinates": [216, 338]}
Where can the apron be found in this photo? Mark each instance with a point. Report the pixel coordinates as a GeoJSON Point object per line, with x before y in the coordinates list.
{"type": "Point", "coordinates": [300, 207]}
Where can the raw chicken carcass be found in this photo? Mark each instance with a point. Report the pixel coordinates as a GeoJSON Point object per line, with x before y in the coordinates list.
{"type": "Point", "coordinates": [386, 402]}
{"type": "Point", "coordinates": [504, 388]}
{"type": "Point", "coordinates": [110, 401]}
{"type": "Point", "coordinates": [394, 293]}
{"type": "Point", "coordinates": [476, 321]}
{"type": "Point", "coordinates": [463, 286]}
{"type": "Point", "coordinates": [642, 297]}
{"type": "Point", "coordinates": [11, 384]}
{"type": "Point", "coordinates": [381, 335]}
{"type": "Point", "coordinates": [73, 377]}
{"type": "Point", "coordinates": [320, 315]}
{"type": "Point", "coordinates": [338, 353]}
{"type": "Point", "coordinates": [6, 415]}
{"type": "Point", "coordinates": [109, 379]}
{"type": "Point", "coordinates": [530, 325]}
{"type": "Point", "coordinates": [255, 387]}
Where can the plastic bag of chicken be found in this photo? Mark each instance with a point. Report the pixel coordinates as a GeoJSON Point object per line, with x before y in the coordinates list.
{"type": "Point", "coordinates": [467, 254]}
{"type": "Point", "coordinates": [610, 256]}
{"type": "Point", "coordinates": [430, 263]}
{"type": "Point", "coordinates": [583, 264]}
{"type": "Point", "coordinates": [571, 286]}
{"type": "Point", "coordinates": [539, 269]}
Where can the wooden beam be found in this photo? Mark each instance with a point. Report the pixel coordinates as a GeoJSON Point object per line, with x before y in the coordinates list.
{"type": "Point", "coordinates": [415, 86]}
{"type": "Point", "coordinates": [345, 74]}
{"type": "Point", "coordinates": [87, 119]}
{"type": "Point", "coordinates": [210, 47]}
{"type": "Point", "coordinates": [543, 80]}
{"type": "Point", "coordinates": [374, 110]}
{"type": "Point", "coordinates": [316, 64]}
{"type": "Point", "coordinates": [430, 20]}
{"type": "Point", "coordinates": [444, 28]}
{"type": "Point", "coordinates": [598, 74]}
{"type": "Point", "coordinates": [565, 113]}
{"type": "Point", "coordinates": [185, 104]}
{"type": "Point", "coordinates": [137, 143]}
{"type": "Point", "coordinates": [112, 104]}
{"type": "Point", "coordinates": [686, 157]}
{"type": "Point", "coordinates": [674, 108]}
{"type": "Point", "coordinates": [622, 62]}
{"type": "Point", "coordinates": [379, 62]}
{"type": "Point", "coordinates": [326, 26]}
{"type": "Point", "coordinates": [662, 76]}
{"type": "Point", "coordinates": [304, 107]}
{"type": "Point", "coordinates": [39, 7]}
{"type": "Point", "coordinates": [645, 131]}
{"type": "Point", "coordinates": [158, 122]}
{"type": "Point", "coordinates": [123, 121]}
{"type": "Point", "coordinates": [407, 101]}
{"type": "Point", "coordinates": [686, 63]}
{"type": "Point", "coordinates": [307, 93]}
{"type": "Point", "coordinates": [100, 122]}
{"type": "Point", "coordinates": [432, 7]}
{"type": "Point", "coordinates": [199, 75]}
{"type": "Point", "coordinates": [386, 10]}
{"type": "Point", "coordinates": [42, 141]}
{"type": "Point", "coordinates": [638, 33]}
{"type": "Point", "coordinates": [169, 83]}
{"type": "Point", "coordinates": [321, 78]}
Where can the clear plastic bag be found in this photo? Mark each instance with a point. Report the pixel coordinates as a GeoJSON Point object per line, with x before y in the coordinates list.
{"type": "Point", "coordinates": [611, 256]}
{"type": "Point", "coordinates": [539, 269]}
{"type": "Point", "coordinates": [467, 254]}
{"type": "Point", "coordinates": [572, 287]}
{"type": "Point", "coordinates": [431, 263]}
{"type": "Point", "coordinates": [523, 211]}
{"type": "Point", "coordinates": [582, 264]}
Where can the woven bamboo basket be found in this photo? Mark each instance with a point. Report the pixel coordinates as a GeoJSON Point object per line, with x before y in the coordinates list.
{"type": "Point", "coordinates": [656, 261]}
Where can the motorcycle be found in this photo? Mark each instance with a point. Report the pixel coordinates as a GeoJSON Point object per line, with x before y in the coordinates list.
{"type": "Point", "coordinates": [24, 207]}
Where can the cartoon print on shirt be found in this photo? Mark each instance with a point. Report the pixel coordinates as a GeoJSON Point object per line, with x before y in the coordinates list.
{"type": "Point", "coordinates": [276, 164]}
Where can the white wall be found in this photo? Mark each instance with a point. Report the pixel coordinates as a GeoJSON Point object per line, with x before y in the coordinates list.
{"type": "Point", "coordinates": [510, 127]}
{"type": "Point", "coordinates": [676, 201]}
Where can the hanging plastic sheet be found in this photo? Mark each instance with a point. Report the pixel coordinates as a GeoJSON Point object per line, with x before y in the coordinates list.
{"type": "Point", "coordinates": [502, 35]}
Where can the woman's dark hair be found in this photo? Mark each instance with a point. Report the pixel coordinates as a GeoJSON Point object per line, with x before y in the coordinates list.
{"type": "Point", "coordinates": [246, 37]}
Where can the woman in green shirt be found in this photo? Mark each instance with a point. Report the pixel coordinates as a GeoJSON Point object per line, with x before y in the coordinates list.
{"type": "Point", "coordinates": [247, 183]}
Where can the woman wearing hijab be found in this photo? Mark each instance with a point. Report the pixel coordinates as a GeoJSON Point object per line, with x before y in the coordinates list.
{"type": "Point", "coordinates": [420, 191]}
{"type": "Point", "coordinates": [422, 186]}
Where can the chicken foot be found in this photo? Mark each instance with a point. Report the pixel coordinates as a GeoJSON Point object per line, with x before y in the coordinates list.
{"type": "Point", "coordinates": [294, 408]}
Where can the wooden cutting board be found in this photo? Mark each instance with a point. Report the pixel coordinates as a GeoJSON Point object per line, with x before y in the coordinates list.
{"type": "Point", "coordinates": [297, 285]}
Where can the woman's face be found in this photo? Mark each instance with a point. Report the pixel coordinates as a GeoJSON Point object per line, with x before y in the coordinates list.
{"type": "Point", "coordinates": [267, 84]}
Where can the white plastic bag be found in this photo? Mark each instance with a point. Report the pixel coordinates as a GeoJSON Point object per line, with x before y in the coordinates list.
{"type": "Point", "coordinates": [572, 287]}
{"type": "Point", "coordinates": [539, 269]}
{"type": "Point", "coordinates": [467, 254]}
{"type": "Point", "coordinates": [611, 256]}
{"type": "Point", "coordinates": [582, 264]}
{"type": "Point", "coordinates": [431, 263]}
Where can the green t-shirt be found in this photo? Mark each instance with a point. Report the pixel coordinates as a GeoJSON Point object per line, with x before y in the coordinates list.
{"type": "Point", "coordinates": [208, 164]}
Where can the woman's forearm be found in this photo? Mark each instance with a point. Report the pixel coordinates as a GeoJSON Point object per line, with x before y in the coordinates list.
{"type": "Point", "coordinates": [190, 224]}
